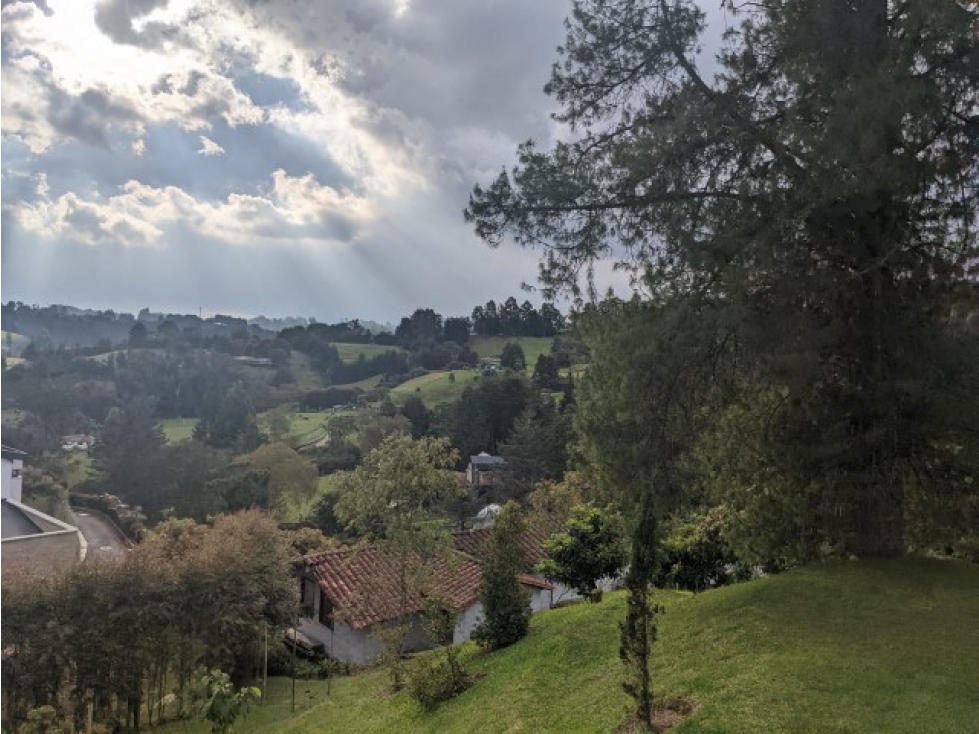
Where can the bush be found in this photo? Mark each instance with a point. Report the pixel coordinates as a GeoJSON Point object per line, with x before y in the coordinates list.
{"type": "Point", "coordinates": [695, 556]}
{"type": "Point", "coordinates": [437, 678]}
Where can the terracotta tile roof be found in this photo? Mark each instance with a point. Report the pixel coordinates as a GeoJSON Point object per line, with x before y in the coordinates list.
{"type": "Point", "coordinates": [363, 583]}
{"type": "Point", "coordinates": [473, 543]}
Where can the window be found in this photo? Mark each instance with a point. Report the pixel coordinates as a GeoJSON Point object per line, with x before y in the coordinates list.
{"type": "Point", "coordinates": [326, 611]}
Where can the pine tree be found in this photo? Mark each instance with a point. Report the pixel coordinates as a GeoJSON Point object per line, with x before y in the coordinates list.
{"type": "Point", "coordinates": [506, 606]}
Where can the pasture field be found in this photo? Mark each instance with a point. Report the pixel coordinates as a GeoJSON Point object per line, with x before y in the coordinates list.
{"type": "Point", "coordinates": [435, 388]}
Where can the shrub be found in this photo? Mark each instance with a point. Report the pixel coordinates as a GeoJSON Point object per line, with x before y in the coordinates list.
{"type": "Point", "coordinates": [588, 549]}
{"type": "Point", "coordinates": [695, 556]}
{"type": "Point", "coordinates": [437, 678]}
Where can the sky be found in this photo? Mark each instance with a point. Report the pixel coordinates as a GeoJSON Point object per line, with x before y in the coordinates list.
{"type": "Point", "coordinates": [276, 157]}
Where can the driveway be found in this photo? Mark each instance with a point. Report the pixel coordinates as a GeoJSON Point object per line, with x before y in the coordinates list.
{"type": "Point", "coordinates": [104, 540]}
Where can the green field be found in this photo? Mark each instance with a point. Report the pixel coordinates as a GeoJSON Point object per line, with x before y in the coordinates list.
{"type": "Point", "coordinates": [857, 647]}
{"type": "Point", "coordinates": [435, 388]}
{"type": "Point", "coordinates": [178, 429]}
{"type": "Point", "coordinates": [491, 347]}
{"type": "Point", "coordinates": [352, 352]}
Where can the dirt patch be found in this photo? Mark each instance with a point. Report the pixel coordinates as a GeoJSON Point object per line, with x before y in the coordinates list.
{"type": "Point", "coordinates": [666, 714]}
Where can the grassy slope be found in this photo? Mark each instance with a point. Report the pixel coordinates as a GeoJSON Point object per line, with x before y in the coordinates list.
{"type": "Point", "coordinates": [351, 352]}
{"type": "Point", "coordinates": [868, 646]}
{"type": "Point", "coordinates": [178, 429]}
{"type": "Point", "coordinates": [491, 347]}
{"type": "Point", "coordinates": [435, 387]}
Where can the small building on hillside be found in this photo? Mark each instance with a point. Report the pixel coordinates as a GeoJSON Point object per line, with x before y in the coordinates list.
{"type": "Point", "coordinates": [481, 472]}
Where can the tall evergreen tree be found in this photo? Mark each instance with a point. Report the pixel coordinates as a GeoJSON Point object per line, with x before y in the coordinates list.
{"type": "Point", "coordinates": [506, 606]}
{"type": "Point", "coordinates": [818, 194]}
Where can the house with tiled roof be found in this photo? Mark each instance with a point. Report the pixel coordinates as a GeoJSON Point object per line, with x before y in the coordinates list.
{"type": "Point", "coordinates": [350, 593]}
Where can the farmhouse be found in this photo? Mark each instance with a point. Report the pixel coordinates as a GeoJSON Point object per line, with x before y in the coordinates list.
{"type": "Point", "coordinates": [349, 594]}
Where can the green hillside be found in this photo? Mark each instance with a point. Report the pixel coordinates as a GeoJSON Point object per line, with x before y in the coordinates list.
{"type": "Point", "coordinates": [352, 352]}
{"type": "Point", "coordinates": [869, 646]}
{"type": "Point", "coordinates": [435, 388]}
{"type": "Point", "coordinates": [491, 347]}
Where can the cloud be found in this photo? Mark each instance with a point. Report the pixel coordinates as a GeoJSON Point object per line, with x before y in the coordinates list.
{"type": "Point", "coordinates": [117, 19]}
{"type": "Point", "coordinates": [292, 211]}
{"type": "Point", "coordinates": [210, 148]}
{"type": "Point", "coordinates": [329, 143]}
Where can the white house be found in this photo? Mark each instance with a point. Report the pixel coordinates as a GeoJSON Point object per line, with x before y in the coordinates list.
{"type": "Point", "coordinates": [13, 471]}
{"type": "Point", "coordinates": [348, 594]}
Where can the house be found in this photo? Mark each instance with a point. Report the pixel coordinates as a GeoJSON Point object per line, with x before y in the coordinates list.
{"type": "Point", "coordinates": [549, 593]}
{"type": "Point", "coordinates": [482, 470]}
{"type": "Point", "coordinates": [13, 471]}
{"type": "Point", "coordinates": [30, 539]}
{"type": "Point", "coordinates": [350, 594]}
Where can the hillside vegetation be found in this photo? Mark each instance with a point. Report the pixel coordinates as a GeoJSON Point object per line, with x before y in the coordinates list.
{"type": "Point", "coordinates": [868, 646]}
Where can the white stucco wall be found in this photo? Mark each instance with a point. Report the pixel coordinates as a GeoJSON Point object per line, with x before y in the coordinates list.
{"type": "Point", "coordinates": [467, 622]}
{"type": "Point", "coordinates": [12, 487]}
{"type": "Point", "coordinates": [343, 643]}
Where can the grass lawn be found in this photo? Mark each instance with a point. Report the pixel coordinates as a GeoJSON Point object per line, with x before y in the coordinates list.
{"type": "Point", "coordinates": [434, 388]}
{"type": "Point", "coordinates": [864, 646]}
{"type": "Point", "coordinates": [491, 347]}
{"type": "Point", "coordinates": [352, 352]}
{"type": "Point", "coordinates": [178, 429]}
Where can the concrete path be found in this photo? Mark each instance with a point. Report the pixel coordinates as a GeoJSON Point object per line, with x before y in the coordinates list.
{"type": "Point", "coordinates": [104, 540]}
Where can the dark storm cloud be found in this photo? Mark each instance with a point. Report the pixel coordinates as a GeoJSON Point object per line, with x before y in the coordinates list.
{"type": "Point", "coordinates": [116, 19]}
{"type": "Point", "coordinates": [87, 116]}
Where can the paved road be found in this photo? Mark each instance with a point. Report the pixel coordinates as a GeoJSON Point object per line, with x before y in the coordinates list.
{"type": "Point", "coordinates": [104, 540]}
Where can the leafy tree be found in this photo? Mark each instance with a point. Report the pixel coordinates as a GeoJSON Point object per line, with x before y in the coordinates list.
{"type": "Point", "coordinates": [129, 456]}
{"type": "Point", "coordinates": [420, 416]}
{"type": "Point", "coordinates": [138, 335]}
{"type": "Point", "coordinates": [457, 330]}
{"type": "Point", "coordinates": [694, 554]}
{"type": "Point", "coordinates": [220, 704]}
{"type": "Point", "coordinates": [589, 548]}
{"type": "Point", "coordinates": [513, 357]}
{"type": "Point", "coordinates": [549, 505]}
{"type": "Point", "coordinates": [392, 499]}
{"type": "Point", "coordinates": [279, 422]}
{"type": "Point", "coordinates": [374, 432]}
{"type": "Point", "coordinates": [190, 467]}
{"type": "Point", "coordinates": [233, 425]}
{"type": "Point", "coordinates": [292, 478]}
{"type": "Point", "coordinates": [545, 372]}
{"type": "Point", "coordinates": [818, 186]}
{"type": "Point", "coordinates": [483, 417]}
{"type": "Point", "coordinates": [537, 449]}
{"type": "Point", "coordinates": [506, 606]}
